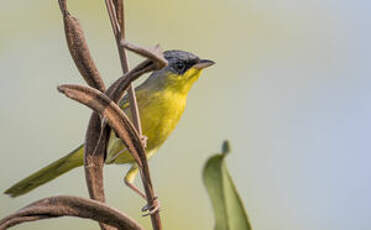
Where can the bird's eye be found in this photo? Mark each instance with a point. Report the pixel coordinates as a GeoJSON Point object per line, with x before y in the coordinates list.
{"type": "Point", "coordinates": [179, 66]}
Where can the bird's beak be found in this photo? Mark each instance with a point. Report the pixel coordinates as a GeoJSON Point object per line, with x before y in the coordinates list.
{"type": "Point", "coordinates": [203, 63]}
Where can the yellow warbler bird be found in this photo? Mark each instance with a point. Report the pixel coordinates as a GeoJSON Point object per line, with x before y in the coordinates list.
{"type": "Point", "coordinates": [161, 101]}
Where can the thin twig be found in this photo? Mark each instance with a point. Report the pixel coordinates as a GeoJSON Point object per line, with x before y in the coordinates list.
{"type": "Point", "coordinates": [119, 36]}
{"type": "Point", "coordinates": [151, 53]}
{"type": "Point", "coordinates": [116, 12]}
{"type": "Point", "coordinates": [60, 206]}
{"type": "Point", "coordinates": [119, 7]}
{"type": "Point", "coordinates": [144, 170]}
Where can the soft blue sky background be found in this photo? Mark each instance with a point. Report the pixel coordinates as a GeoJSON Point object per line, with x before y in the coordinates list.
{"type": "Point", "coordinates": [291, 91]}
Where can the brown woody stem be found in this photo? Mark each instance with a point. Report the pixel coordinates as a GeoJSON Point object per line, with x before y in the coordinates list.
{"type": "Point", "coordinates": [144, 170]}
{"type": "Point", "coordinates": [120, 35]}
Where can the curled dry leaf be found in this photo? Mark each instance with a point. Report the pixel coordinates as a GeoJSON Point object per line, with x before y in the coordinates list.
{"type": "Point", "coordinates": [94, 159]}
{"type": "Point", "coordinates": [154, 53]}
{"type": "Point", "coordinates": [117, 119]}
{"type": "Point", "coordinates": [79, 49]}
{"type": "Point", "coordinates": [103, 105]}
{"type": "Point", "coordinates": [60, 206]}
{"type": "Point", "coordinates": [117, 90]}
{"type": "Point", "coordinates": [94, 155]}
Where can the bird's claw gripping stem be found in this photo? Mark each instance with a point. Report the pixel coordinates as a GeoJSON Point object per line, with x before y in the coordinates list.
{"type": "Point", "coordinates": [150, 209]}
{"type": "Point", "coordinates": [144, 140]}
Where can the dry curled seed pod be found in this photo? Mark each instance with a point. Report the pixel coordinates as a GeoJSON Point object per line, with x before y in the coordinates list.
{"type": "Point", "coordinates": [80, 52]}
{"type": "Point", "coordinates": [116, 118]}
{"type": "Point", "coordinates": [59, 206]}
{"type": "Point", "coordinates": [154, 53]}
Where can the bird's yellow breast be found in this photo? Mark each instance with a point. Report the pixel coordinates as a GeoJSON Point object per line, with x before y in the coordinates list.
{"type": "Point", "coordinates": [160, 112]}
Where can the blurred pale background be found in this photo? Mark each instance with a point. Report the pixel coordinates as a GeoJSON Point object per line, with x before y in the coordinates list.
{"type": "Point", "coordinates": [291, 90]}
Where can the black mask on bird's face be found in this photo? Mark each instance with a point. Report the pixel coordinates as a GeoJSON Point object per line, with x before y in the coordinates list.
{"type": "Point", "coordinates": [182, 71]}
{"type": "Point", "coordinates": [181, 61]}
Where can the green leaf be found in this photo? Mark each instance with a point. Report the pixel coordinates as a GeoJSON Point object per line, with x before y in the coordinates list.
{"type": "Point", "coordinates": [229, 211]}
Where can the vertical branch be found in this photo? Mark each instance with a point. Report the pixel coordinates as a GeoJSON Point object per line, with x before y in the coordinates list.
{"type": "Point", "coordinates": [119, 8]}
{"type": "Point", "coordinates": [117, 19]}
{"type": "Point", "coordinates": [144, 170]}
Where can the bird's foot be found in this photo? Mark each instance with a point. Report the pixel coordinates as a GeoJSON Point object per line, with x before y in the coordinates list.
{"type": "Point", "coordinates": [144, 140]}
{"type": "Point", "coordinates": [154, 207]}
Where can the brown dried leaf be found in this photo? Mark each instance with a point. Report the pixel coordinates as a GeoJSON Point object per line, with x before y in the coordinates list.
{"type": "Point", "coordinates": [95, 148]}
{"type": "Point", "coordinates": [60, 206]}
{"type": "Point", "coordinates": [79, 49]}
{"type": "Point", "coordinates": [117, 90]}
{"type": "Point", "coordinates": [115, 117]}
{"type": "Point", "coordinates": [94, 155]}
{"type": "Point", "coordinates": [155, 54]}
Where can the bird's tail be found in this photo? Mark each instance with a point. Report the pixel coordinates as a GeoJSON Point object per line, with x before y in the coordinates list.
{"type": "Point", "coordinates": [48, 173]}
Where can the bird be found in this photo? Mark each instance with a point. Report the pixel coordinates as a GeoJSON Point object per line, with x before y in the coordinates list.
{"type": "Point", "coordinates": [161, 101]}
